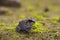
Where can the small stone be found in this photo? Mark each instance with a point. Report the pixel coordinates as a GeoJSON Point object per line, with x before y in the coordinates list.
{"type": "Point", "coordinates": [46, 10]}
{"type": "Point", "coordinates": [10, 3]}
{"type": "Point", "coordinates": [3, 10]}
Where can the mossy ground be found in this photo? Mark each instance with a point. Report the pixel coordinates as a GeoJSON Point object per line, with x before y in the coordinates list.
{"type": "Point", "coordinates": [47, 25]}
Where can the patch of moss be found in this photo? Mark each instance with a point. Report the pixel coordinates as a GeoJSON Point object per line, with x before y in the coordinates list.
{"type": "Point", "coordinates": [55, 19]}
{"type": "Point", "coordinates": [2, 24]}
{"type": "Point", "coordinates": [22, 16]}
{"type": "Point", "coordinates": [38, 27]}
{"type": "Point", "coordinates": [14, 24]}
{"type": "Point", "coordinates": [37, 16]}
{"type": "Point", "coordinates": [9, 28]}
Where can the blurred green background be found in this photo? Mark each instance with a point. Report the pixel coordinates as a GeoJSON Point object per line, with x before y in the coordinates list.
{"type": "Point", "coordinates": [47, 26]}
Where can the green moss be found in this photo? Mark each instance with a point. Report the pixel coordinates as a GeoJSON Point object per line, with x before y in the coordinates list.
{"type": "Point", "coordinates": [42, 17]}
{"type": "Point", "coordinates": [9, 28]}
{"type": "Point", "coordinates": [15, 36]}
{"type": "Point", "coordinates": [37, 16]}
{"type": "Point", "coordinates": [22, 16]}
{"type": "Point", "coordinates": [38, 27]}
{"type": "Point", "coordinates": [14, 24]}
{"type": "Point", "coordinates": [52, 31]}
{"type": "Point", "coordinates": [55, 19]}
{"type": "Point", "coordinates": [2, 24]}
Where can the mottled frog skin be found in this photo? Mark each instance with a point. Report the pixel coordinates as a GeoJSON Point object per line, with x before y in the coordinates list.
{"type": "Point", "coordinates": [25, 25]}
